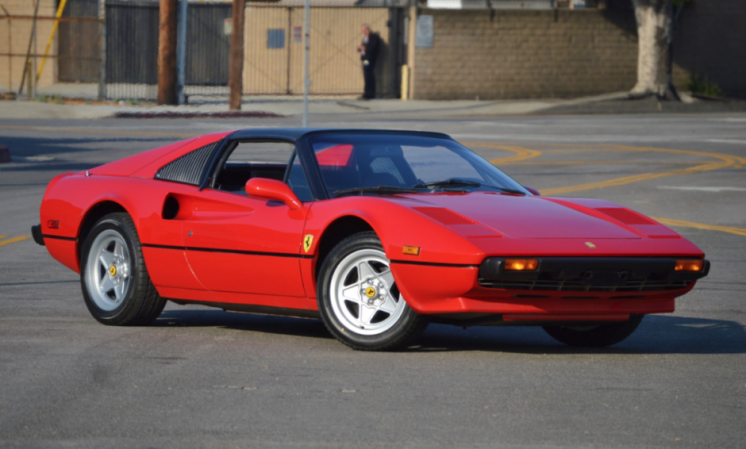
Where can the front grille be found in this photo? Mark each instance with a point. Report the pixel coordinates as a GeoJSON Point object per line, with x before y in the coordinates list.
{"type": "Point", "coordinates": [587, 274]}
{"type": "Point", "coordinates": [576, 285]}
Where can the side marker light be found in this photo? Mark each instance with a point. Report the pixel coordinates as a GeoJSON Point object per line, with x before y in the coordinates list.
{"type": "Point", "coordinates": [53, 224]}
{"type": "Point", "coordinates": [689, 265]}
{"type": "Point", "coordinates": [411, 250]}
{"type": "Point", "coordinates": [521, 264]}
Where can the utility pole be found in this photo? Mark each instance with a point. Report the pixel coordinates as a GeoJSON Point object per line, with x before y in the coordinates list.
{"type": "Point", "coordinates": [102, 50]}
{"type": "Point", "coordinates": [167, 53]}
{"type": "Point", "coordinates": [235, 79]}
{"type": "Point", "coordinates": [181, 48]}
{"type": "Point", "coordinates": [306, 58]}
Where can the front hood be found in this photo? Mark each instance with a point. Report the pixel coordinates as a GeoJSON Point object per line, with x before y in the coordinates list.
{"type": "Point", "coordinates": [522, 217]}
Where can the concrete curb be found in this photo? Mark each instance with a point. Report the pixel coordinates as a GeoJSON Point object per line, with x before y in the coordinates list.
{"type": "Point", "coordinates": [177, 114]}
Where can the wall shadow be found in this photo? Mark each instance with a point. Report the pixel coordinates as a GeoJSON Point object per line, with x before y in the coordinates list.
{"type": "Point", "coordinates": [64, 150]}
{"type": "Point", "coordinates": [709, 40]}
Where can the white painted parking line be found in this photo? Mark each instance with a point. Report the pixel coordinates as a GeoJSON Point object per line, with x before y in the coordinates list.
{"type": "Point", "coordinates": [705, 189]}
{"type": "Point", "coordinates": [732, 141]}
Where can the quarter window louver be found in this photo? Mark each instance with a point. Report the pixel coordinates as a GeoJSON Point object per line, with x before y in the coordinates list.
{"type": "Point", "coordinates": [190, 168]}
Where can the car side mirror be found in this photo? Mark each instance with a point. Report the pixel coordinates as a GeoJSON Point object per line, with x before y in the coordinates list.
{"type": "Point", "coordinates": [532, 190]}
{"type": "Point", "coordinates": [272, 189]}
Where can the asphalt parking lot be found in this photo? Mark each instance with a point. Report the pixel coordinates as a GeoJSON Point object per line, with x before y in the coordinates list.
{"type": "Point", "coordinates": [202, 377]}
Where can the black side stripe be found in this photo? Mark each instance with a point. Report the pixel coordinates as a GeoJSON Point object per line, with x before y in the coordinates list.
{"type": "Point", "coordinates": [434, 264]}
{"type": "Point", "coordinates": [59, 237]}
{"type": "Point", "coordinates": [228, 251]}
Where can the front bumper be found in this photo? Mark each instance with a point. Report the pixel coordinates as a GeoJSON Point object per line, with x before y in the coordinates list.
{"type": "Point", "coordinates": [562, 289]}
{"type": "Point", "coordinates": [36, 233]}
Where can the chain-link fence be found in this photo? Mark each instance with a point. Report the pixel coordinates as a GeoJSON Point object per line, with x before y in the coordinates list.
{"type": "Point", "coordinates": [34, 61]}
{"type": "Point", "coordinates": [126, 66]}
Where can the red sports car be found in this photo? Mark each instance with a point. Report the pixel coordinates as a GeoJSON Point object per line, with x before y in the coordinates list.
{"type": "Point", "coordinates": [378, 233]}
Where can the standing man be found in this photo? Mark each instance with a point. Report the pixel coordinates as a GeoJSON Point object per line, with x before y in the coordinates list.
{"type": "Point", "coordinates": [369, 54]}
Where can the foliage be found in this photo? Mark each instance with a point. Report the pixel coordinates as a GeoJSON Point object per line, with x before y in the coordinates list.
{"type": "Point", "coordinates": [699, 84]}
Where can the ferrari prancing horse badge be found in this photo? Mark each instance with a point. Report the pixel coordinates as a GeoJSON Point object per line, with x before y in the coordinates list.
{"type": "Point", "coordinates": [307, 241]}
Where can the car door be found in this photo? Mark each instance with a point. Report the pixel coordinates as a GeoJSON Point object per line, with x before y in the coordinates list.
{"type": "Point", "coordinates": [236, 243]}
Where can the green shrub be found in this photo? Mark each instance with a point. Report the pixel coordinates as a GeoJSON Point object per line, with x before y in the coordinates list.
{"type": "Point", "coordinates": [699, 84]}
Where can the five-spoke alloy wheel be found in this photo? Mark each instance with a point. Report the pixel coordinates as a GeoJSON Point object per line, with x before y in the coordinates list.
{"type": "Point", "coordinates": [116, 286]}
{"type": "Point", "coordinates": [358, 298]}
{"type": "Point", "coordinates": [108, 270]}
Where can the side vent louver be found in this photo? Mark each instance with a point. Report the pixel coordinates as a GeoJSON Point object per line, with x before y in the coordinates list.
{"type": "Point", "coordinates": [190, 168]}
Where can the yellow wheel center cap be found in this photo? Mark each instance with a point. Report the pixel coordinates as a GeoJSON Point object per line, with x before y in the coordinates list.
{"type": "Point", "coordinates": [370, 292]}
{"type": "Point", "coordinates": [113, 270]}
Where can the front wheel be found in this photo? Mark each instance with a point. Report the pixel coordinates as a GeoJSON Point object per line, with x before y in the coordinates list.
{"type": "Point", "coordinates": [358, 298]}
{"type": "Point", "coordinates": [596, 335]}
{"type": "Point", "coordinates": [116, 285]}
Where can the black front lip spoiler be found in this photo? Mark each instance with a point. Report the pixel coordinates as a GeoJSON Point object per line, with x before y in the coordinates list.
{"type": "Point", "coordinates": [36, 233]}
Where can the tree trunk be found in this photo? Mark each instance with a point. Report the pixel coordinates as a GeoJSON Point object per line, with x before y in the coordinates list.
{"type": "Point", "coordinates": [653, 26]}
{"type": "Point", "coordinates": [167, 53]}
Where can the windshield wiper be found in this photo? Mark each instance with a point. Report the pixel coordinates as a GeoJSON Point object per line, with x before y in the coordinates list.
{"type": "Point", "coordinates": [377, 189]}
{"type": "Point", "coordinates": [463, 182]}
{"type": "Point", "coordinates": [448, 182]}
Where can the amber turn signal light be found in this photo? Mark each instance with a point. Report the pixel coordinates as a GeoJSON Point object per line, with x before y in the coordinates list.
{"type": "Point", "coordinates": [521, 264]}
{"type": "Point", "coordinates": [411, 250]}
{"type": "Point", "coordinates": [689, 265]}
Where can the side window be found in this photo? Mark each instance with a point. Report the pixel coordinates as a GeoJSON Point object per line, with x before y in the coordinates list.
{"type": "Point", "coordinates": [253, 160]}
{"type": "Point", "coordinates": [189, 168]}
{"type": "Point", "coordinates": [298, 182]}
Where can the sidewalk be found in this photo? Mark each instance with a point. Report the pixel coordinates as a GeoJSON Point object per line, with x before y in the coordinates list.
{"type": "Point", "coordinates": [348, 108]}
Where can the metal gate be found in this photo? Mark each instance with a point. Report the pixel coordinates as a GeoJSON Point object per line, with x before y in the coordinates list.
{"type": "Point", "coordinates": [79, 52]}
{"type": "Point", "coordinates": [132, 49]}
{"type": "Point", "coordinates": [273, 62]}
{"type": "Point", "coordinates": [208, 44]}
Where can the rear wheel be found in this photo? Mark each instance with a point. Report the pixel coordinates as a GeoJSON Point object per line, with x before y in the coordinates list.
{"type": "Point", "coordinates": [116, 286]}
{"type": "Point", "coordinates": [596, 335]}
{"type": "Point", "coordinates": [359, 300]}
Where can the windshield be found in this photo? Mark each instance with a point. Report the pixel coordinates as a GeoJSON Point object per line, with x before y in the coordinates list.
{"type": "Point", "coordinates": [377, 163]}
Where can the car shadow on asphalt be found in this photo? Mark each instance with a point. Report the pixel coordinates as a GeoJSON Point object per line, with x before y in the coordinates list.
{"type": "Point", "coordinates": [658, 334]}
{"type": "Point", "coordinates": [271, 324]}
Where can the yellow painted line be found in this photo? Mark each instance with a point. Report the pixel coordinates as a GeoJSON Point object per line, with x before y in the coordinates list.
{"type": "Point", "coordinates": [689, 224]}
{"type": "Point", "coordinates": [99, 131]}
{"type": "Point", "coordinates": [521, 154]}
{"type": "Point", "coordinates": [15, 239]}
{"type": "Point", "coordinates": [2, 236]}
{"type": "Point", "coordinates": [726, 160]}
{"type": "Point", "coordinates": [602, 163]}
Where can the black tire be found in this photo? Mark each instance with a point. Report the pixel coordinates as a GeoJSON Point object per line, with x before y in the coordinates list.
{"type": "Point", "coordinates": [597, 336]}
{"type": "Point", "coordinates": [406, 325]}
{"type": "Point", "coordinates": [140, 304]}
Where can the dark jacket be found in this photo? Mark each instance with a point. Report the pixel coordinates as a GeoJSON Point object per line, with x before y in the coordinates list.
{"type": "Point", "coordinates": [372, 48]}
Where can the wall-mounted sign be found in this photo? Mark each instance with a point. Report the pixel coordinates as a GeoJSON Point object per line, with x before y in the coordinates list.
{"type": "Point", "coordinates": [444, 4]}
{"type": "Point", "coordinates": [275, 38]}
{"type": "Point", "coordinates": [424, 35]}
{"type": "Point", "coordinates": [228, 27]}
{"type": "Point", "coordinates": [298, 34]}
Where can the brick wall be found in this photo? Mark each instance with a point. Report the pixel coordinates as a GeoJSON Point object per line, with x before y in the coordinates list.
{"type": "Point", "coordinates": [527, 54]}
{"type": "Point", "coordinates": [544, 54]}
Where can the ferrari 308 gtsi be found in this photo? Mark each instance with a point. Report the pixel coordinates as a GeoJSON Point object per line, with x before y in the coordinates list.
{"type": "Point", "coordinates": [378, 233]}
